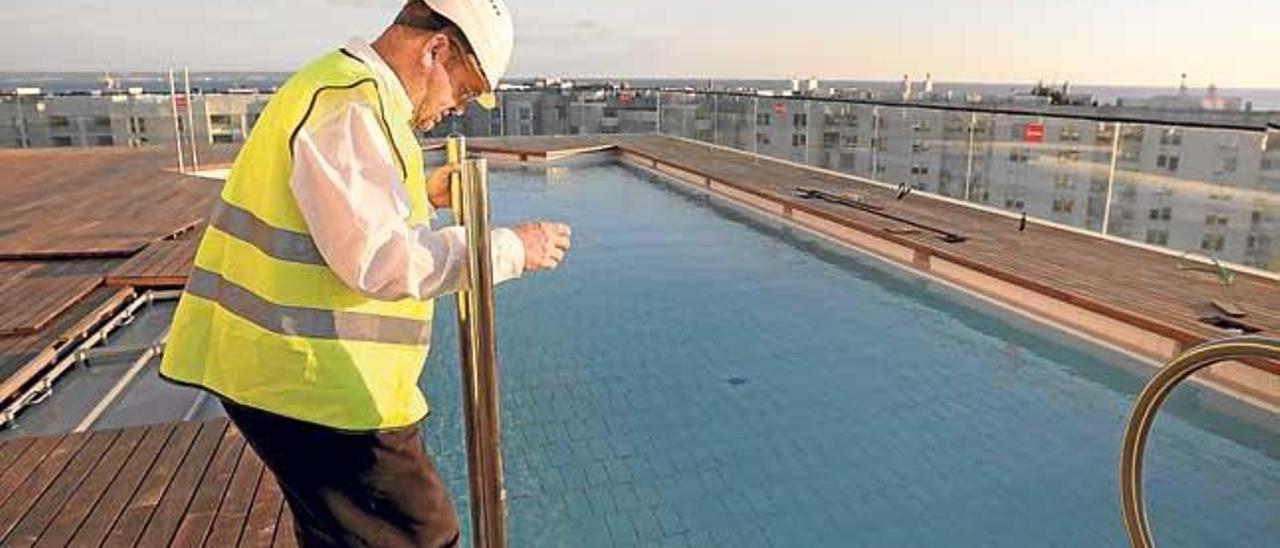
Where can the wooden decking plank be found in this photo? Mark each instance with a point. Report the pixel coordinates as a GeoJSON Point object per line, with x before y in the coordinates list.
{"type": "Point", "coordinates": [39, 480]}
{"type": "Point", "coordinates": [26, 463]}
{"type": "Point", "coordinates": [125, 482]}
{"type": "Point", "coordinates": [168, 513]}
{"type": "Point", "coordinates": [131, 522]}
{"type": "Point", "coordinates": [196, 522]}
{"type": "Point", "coordinates": [52, 503]}
{"type": "Point", "coordinates": [163, 263]}
{"type": "Point", "coordinates": [34, 302]}
{"type": "Point", "coordinates": [87, 203]}
{"type": "Point", "coordinates": [229, 524]}
{"type": "Point", "coordinates": [260, 527]}
{"type": "Point", "coordinates": [285, 537]}
{"type": "Point", "coordinates": [12, 450]}
{"type": "Point", "coordinates": [68, 520]}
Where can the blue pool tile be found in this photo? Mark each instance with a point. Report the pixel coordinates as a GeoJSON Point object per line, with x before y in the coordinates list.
{"type": "Point", "coordinates": [696, 376]}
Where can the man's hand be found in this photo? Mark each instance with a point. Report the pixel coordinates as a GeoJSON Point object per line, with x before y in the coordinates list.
{"type": "Point", "coordinates": [545, 244]}
{"type": "Point", "coordinates": [438, 192]}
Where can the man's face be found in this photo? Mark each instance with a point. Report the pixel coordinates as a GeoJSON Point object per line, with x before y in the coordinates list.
{"type": "Point", "coordinates": [452, 79]}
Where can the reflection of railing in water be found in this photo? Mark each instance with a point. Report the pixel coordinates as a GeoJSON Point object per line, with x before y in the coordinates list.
{"type": "Point", "coordinates": [1132, 505]}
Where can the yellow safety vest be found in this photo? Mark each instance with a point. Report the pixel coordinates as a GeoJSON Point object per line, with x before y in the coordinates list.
{"type": "Point", "coordinates": [264, 321]}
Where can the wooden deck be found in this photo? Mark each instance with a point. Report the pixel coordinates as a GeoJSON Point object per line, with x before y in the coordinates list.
{"type": "Point", "coordinates": [94, 202]}
{"type": "Point", "coordinates": [184, 484]}
{"type": "Point", "coordinates": [165, 263]}
{"type": "Point", "coordinates": [69, 222]}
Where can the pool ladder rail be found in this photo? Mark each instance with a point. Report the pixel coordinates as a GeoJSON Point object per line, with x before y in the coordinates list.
{"type": "Point", "coordinates": [1132, 505]}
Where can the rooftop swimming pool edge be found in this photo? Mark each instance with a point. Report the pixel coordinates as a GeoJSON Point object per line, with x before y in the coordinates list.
{"type": "Point", "coordinates": [1236, 382]}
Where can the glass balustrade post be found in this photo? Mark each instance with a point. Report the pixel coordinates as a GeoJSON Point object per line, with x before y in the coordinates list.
{"type": "Point", "coordinates": [875, 143]}
{"type": "Point", "coordinates": [755, 125]}
{"type": "Point", "coordinates": [658, 112]}
{"type": "Point", "coordinates": [968, 169]}
{"type": "Point", "coordinates": [806, 132]}
{"type": "Point", "coordinates": [715, 119]}
{"type": "Point", "coordinates": [1116, 129]}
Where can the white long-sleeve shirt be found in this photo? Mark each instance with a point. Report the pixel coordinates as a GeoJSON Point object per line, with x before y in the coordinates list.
{"type": "Point", "coordinates": [352, 196]}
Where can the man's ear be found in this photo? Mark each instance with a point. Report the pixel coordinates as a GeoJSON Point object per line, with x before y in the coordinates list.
{"type": "Point", "coordinates": [436, 49]}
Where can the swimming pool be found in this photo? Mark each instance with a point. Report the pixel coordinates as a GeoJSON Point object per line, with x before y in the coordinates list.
{"type": "Point", "coordinates": [696, 375]}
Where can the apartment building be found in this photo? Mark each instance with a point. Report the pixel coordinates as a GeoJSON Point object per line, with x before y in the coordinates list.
{"type": "Point", "coordinates": [1212, 191]}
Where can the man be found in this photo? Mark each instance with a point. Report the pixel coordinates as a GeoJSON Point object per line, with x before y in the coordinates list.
{"type": "Point", "coordinates": [308, 311]}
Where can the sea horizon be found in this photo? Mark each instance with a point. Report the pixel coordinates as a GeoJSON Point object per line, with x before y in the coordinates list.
{"type": "Point", "coordinates": [1261, 99]}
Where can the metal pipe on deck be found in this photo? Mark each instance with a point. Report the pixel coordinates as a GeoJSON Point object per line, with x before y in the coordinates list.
{"type": "Point", "coordinates": [477, 345]}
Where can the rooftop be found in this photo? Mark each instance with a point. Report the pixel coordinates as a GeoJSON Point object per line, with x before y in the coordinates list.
{"type": "Point", "coordinates": [84, 233]}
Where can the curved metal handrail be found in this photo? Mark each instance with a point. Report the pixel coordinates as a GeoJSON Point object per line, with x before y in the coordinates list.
{"type": "Point", "coordinates": [1132, 506]}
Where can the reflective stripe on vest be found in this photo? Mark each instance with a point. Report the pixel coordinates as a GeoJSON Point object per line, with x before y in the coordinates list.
{"type": "Point", "coordinates": [305, 322]}
{"type": "Point", "coordinates": [264, 321]}
{"type": "Point", "coordinates": [285, 245]}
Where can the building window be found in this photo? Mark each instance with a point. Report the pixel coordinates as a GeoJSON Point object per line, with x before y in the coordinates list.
{"type": "Point", "coordinates": [1171, 137]}
{"type": "Point", "coordinates": [1168, 162]}
{"type": "Point", "coordinates": [61, 141]}
{"type": "Point", "coordinates": [849, 141]}
{"type": "Point", "coordinates": [1019, 155]}
{"type": "Point", "coordinates": [102, 122]}
{"type": "Point", "coordinates": [1213, 242]}
{"type": "Point", "coordinates": [137, 124]}
{"type": "Point", "coordinates": [59, 122]}
{"type": "Point", "coordinates": [1160, 213]}
{"type": "Point", "coordinates": [1014, 204]}
{"type": "Point", "coordinates": [1064, 205]}
{"type": "Point", "coordinates": [830, 139]}
{"type": "Point", "coordinates": [799, 140]}
{"type": "Point", "coordinates": [919, 170]}
{"type": "Point", "coordinates": [762, 139]}
{"type": "Point", "coordinates": [1157, 236]}
{"type": "Point", "coordinates": [104, 141]}
{"type": "Point", "coordinates": [224, 138]}
{"type": "Point", "coordinates": [800, 119]}
{"type": "Point", "coordinates": [1062, 181]}
{"type": "Point", "coordinates": [1069, 135]}
{"type": "Point", "coordinates": [1216, 219]}
{"type": "Point", "coordinates": [220, 119]}
{"type": "Point", "coordinates": [764, 119]}
{"type": "Point", "coordinates": [848, 160]}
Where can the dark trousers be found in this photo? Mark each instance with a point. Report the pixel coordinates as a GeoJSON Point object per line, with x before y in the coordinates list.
{"type": "Point", "coordinates": [352, 488]}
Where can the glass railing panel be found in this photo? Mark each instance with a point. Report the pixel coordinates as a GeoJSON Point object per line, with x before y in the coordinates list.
{"type": "Point", "coordinates": [1050, 168]}
{"type": "Point", "coordinates": [1210, 191]}
{"type": "Point", "coordinates": [840, 137]}
{"type": "Point", "coordinates": [733, 121]}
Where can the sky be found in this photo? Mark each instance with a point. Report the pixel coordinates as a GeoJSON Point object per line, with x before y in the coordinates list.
{"type": "Point", "coordinates": [1233, 43]}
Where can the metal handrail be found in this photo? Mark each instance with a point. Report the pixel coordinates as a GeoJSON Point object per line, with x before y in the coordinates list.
{"type": "Point", "coordinates": [477, 344]}
{"type": "Point", "coordinates": [1132, 505]}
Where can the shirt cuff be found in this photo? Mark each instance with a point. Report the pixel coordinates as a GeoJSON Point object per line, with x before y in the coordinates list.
{"type": "Point", "coordinates": [508, 255]}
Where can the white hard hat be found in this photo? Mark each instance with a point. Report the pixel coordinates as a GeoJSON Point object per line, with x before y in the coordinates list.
{"type": "Point", "coordinates": [486, 24]}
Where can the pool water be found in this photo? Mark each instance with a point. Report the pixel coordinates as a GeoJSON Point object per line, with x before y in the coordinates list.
{"type": "Point", "coordinates": [695, 375]}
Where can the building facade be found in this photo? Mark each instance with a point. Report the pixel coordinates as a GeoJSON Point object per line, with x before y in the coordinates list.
{"type": "Point", "coordinates": [1210, 191]}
